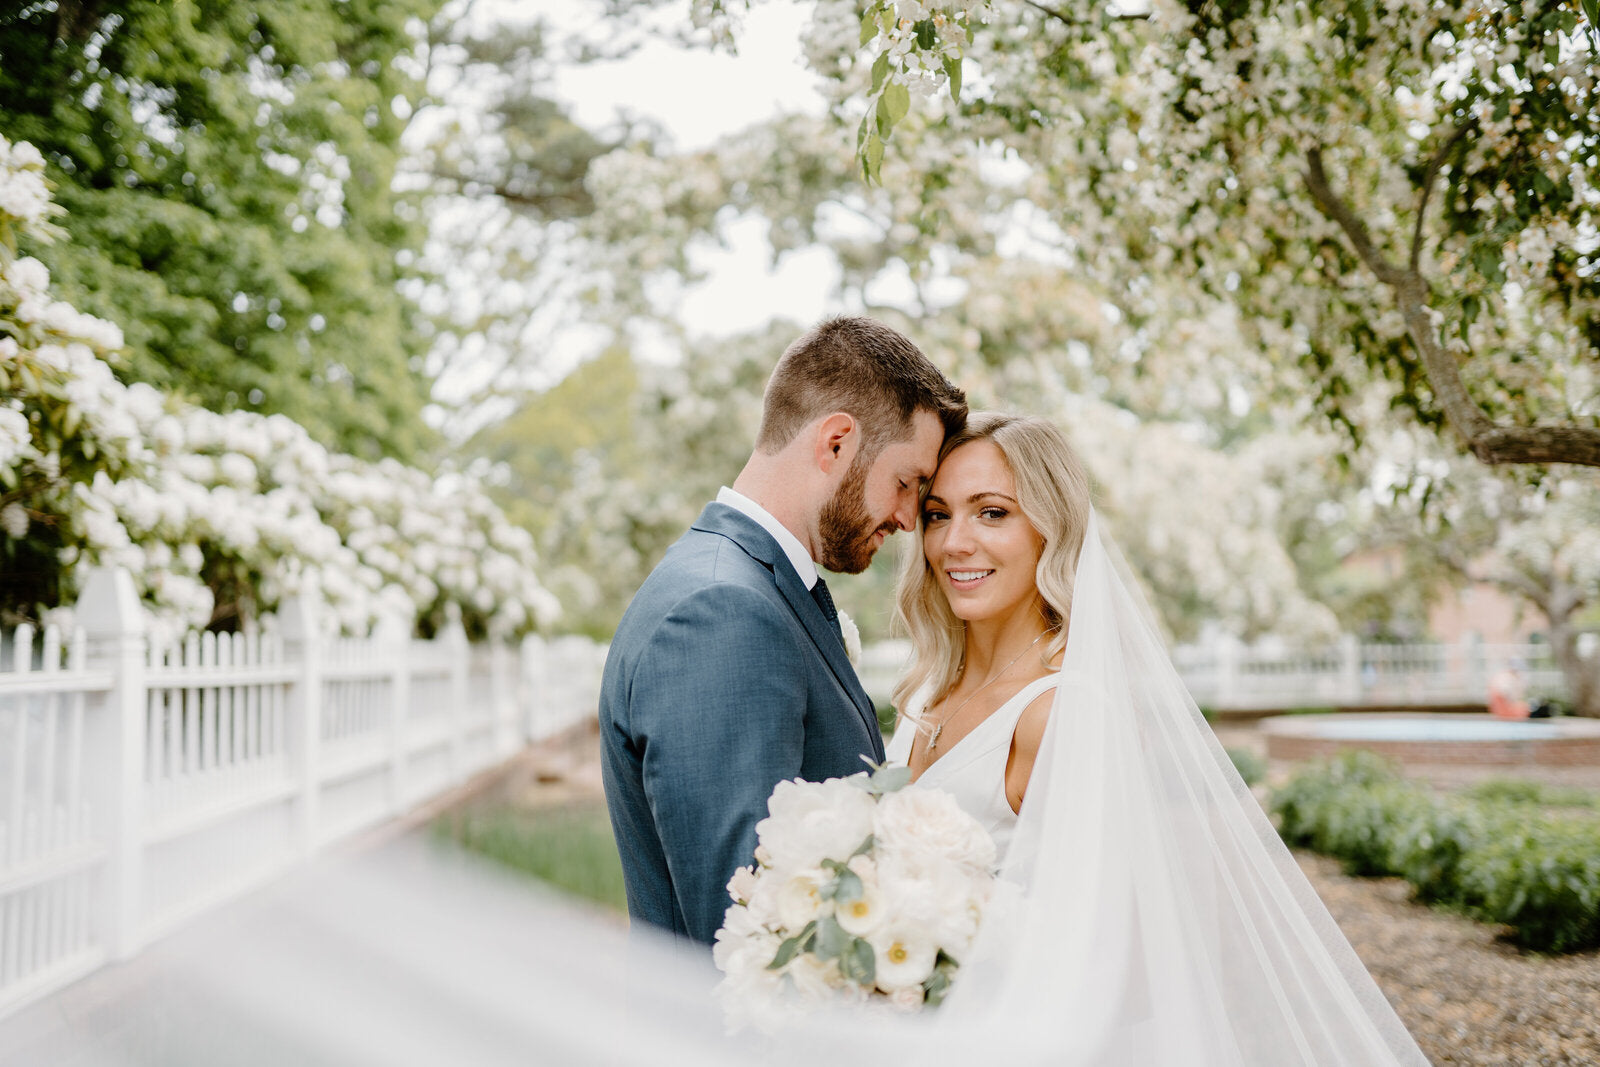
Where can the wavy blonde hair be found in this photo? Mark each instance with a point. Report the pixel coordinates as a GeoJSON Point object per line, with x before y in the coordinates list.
{"type": "Point", "coordinates": [1053, 494]}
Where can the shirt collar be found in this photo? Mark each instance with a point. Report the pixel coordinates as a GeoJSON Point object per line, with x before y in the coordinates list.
{"type": "Point", "coordinates": [799, 558]}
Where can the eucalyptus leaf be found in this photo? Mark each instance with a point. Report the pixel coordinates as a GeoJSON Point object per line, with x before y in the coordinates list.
{"type": "Point", "coordinates": [859, 963]}
{"type": "Point", "coordinates": [831, 938]}
{"type": "Point", "coordinates": [848, 886]}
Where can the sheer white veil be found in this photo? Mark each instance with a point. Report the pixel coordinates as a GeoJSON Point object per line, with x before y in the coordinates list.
{"type": "Point", "coordinates": [1164, 923]}
{"type": "Point", "coordinates": [1164, 920]}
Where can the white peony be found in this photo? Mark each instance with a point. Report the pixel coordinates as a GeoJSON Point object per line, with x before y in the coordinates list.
{"type": "Point", "coordinates": [918, 826]}
{"type": "Point", "coordinates": [809, 822]}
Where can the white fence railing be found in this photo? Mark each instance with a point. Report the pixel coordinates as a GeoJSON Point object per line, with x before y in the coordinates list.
{"type": "Point", "coordinates": [1229, 676]}
{"type": "Point", "coordinates": [142, 783]}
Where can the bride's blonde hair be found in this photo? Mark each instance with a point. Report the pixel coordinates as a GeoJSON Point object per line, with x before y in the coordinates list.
{"type": "Point", "coordinates": [1053, 494]}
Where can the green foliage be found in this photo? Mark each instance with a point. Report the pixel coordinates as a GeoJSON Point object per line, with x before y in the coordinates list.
{"type": "Point", "coordinates": [228, 172]}
{"type": "Point", "coordinates": [1522, 791]}
{"type": "Point", "coordinates": [570, 848]}
{"type": "Point", "coordinates": [1491, 851]}
{"type": "Point", "coordinates": [1251, 767]}
{"type": "Point", "coordinates": [1543, 879]}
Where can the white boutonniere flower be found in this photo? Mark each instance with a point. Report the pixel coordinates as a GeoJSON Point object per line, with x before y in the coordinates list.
{"type": "Point", "coordinates": [852, 638]}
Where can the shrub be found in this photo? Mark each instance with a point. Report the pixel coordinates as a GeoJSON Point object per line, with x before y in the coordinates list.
{"type": "Point", "coordinates": [1490, 850]}
{"type": "Point", "coordinates": [1251, 767]}
{"type": "Point", "coordinates": [1522, 791]}
{"type": "Point", "coordinates": [1543, 880]}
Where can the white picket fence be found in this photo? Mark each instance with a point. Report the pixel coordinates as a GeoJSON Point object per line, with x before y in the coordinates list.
{"type": "Point", "coordinates": [142, 784]}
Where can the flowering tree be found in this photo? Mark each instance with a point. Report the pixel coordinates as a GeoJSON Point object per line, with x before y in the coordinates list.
{"type": "Point", "coordinates": [217, 516]}
{"type": "Point", "coordinates": [1283, 158]}
{"type": "Point", "coordinates": [228, 171]}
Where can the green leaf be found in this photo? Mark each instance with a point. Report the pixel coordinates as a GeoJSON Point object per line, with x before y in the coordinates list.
{"type": "Point", "coordinates": [831, 939]}
{"type": "Point", "coordinates": [793, 947]}
{"type": "Point", "coordinates": [897, 99]}
{"type": "Point", "coordinates": [889, 779]}
{"type": "Point", "coordinates": [880, 70]}
{"type": "Point", "coordinates": [952, 70]}
{"type": "Point", "coordinates": [869, 25]}
{"type": "Point", "coordinates": [847, 886]}
{"type": "Point", "coordinates": [1486, 257]}
{"type": "Point", "coordinates": [858, 962]}
{"type": "Point", "coordinates": [927, 34]}
{"type": "Point", "coordinates": [865, 846]}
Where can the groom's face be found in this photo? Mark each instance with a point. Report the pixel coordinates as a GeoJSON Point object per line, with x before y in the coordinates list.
{"type": "Point", "coordinates": [877, 498]}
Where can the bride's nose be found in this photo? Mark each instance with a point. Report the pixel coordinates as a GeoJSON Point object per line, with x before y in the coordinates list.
{"type": "Point", "coordinates": [958, 540]}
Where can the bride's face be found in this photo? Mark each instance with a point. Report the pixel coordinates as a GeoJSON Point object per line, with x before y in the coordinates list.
{"type": "Point", "coordinates": [983, 551]}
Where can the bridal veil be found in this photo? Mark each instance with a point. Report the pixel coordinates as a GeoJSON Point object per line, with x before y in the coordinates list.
{"type": "Point", "coordinates": [1164, 920]}
{"type": "Point", "coordinates": [1164, 923]}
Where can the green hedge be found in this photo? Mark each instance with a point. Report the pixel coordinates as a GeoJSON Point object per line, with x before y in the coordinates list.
{"type": "Point", "coordinates": [1497, 851]}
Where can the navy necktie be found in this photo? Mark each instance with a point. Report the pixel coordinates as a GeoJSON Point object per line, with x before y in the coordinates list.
{"type": "Point", "coordinates": [824, 599]}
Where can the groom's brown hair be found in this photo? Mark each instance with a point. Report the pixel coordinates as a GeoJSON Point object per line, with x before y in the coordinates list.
{"type": "Point", "coordinates": [862, 367]}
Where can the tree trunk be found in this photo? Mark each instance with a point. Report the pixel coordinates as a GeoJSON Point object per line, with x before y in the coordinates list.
{"type": "Point", "coordinates": [1582, 674]}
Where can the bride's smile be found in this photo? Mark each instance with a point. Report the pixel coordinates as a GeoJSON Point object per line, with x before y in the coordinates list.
{"type": "Point", "coordinates": [977, 539]}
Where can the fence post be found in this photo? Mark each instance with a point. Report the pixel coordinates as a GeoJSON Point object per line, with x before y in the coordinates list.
{"type": "Point", "coordinates": [531, 690]}
{"type": "Point", "coordinates": [393, 637]}
{"type": "Point", "coordinates": [114, 628]}
{"type": "Point", "coordinates": [1227, 660]}
{"type": "Point", "coordinates": [1475, 669]}
{"type": "Point", "coordinates": [301, 621]}
{"type": "Point", "coordinates": [454, 640]}
{"type": "Point", "coordinates": [1350, 693]}
{"type": "Point", "coordinates": [503, 694]}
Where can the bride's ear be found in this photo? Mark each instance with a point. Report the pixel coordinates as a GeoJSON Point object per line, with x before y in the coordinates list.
{"type": "Point", "coordinates": [837, 440]}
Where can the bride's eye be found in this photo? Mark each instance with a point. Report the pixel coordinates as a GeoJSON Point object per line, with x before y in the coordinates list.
{"type": "Point", "coordinates": [993, 513]}
{"type": "Point", "coordinates": [933, 515]}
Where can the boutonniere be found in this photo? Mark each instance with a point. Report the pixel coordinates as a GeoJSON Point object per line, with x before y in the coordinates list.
{"type": "Point", "coordinates": [852, 638]}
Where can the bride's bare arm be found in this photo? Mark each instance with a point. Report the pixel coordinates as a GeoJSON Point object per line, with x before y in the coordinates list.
{"type": "Point", "coordinates": [1025, 746]}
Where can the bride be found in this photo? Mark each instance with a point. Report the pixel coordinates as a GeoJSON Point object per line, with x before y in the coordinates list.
{"type": "Point", "coordinates": [1163, 921]}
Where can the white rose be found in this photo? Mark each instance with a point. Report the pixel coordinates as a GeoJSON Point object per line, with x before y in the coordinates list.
{"type": "Point", "coordinates": [908, 1000]}
{"type": "Point", "coordinates": [928, 826]}
{"type": "Point", "coordinates": [809, 822]}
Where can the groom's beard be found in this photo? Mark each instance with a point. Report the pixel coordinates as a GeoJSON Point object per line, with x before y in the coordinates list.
{"type": "Point", "coordinates": [846, 525]}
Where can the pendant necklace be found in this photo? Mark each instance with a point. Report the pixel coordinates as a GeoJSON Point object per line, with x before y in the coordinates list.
{"type": "Point", "coordinates": [933, 739]}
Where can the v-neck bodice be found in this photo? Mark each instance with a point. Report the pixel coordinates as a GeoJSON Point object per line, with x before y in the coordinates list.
{"type": "Point", "coordinates": [973, 769]}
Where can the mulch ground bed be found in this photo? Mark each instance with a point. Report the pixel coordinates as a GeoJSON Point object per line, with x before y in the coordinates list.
{"type": "Point", "coordinates": [1466, 995]}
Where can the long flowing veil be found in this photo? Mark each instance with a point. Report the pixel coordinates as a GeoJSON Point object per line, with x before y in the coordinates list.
{"type": "Point", "coordinates": [1164, 921]}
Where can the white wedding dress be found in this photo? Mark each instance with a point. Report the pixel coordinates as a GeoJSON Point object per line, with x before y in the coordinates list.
{"type": "Point", "coordinates": [973, 769]}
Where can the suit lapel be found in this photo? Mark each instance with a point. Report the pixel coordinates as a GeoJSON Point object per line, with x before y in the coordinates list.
{"type": "Point", "coordinates": [748, 535]}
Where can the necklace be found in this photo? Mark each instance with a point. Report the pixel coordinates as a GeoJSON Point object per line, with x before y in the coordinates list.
{"type": "Point", "coordinates": [933, 739]}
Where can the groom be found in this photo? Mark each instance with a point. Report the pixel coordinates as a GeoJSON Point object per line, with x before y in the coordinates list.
{"type": "Point", "coordinates": [728, 674]}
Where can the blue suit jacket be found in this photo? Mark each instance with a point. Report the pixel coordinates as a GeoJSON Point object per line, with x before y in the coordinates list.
{"type": "Point", "coordinates": [724, 678]}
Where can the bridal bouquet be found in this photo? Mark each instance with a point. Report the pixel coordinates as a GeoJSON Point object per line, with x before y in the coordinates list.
{"type": "Point", "coordinates": [862, 892]}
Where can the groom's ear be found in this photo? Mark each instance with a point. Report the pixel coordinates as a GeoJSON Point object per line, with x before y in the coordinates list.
{"type": "Point", "coordinates": [837, 439]}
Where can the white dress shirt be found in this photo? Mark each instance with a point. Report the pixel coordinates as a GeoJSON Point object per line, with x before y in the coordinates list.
{"type": "Point", "coordinates": [803, 564]}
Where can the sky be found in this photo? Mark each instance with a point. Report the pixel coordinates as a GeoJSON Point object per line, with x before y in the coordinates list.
{"type": "Point", "coordinates": [699, 97]}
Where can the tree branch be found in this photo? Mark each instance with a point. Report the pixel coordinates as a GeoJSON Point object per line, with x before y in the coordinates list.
{"type": "Point", "coordinates": [1489, 441]}
{"type": "Point", "coordinates": [1435, 165]}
